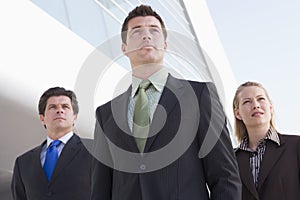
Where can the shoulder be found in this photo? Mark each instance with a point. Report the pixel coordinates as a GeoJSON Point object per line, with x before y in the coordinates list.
{"type": "Point", "coordinates": [289, 138]}
{"type": "Point", "coordinates": [197, 86]}
{"type": "Point", "coordinates": [83, 147]}
{"type": "Point", "coordinates": [28, 154]}
{"type": "Point", "coordinates": [208, 87]}
{"type": "Point", "coordinates": [82, 141]}
{"type": "Point", "coordinates": [192, 82]}
{"type": "Point", "coordinates": [77, 140]}
{"type": "Point", "coordinates": [289, 141]}
{"type": "Point", "coordinates": [120, 98]}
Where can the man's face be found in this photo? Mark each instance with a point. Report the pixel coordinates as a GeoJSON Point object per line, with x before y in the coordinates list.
{"type": "Point", "coordinates": [59, 115]}
{"type": "Point", "coordinates": [145, 41]}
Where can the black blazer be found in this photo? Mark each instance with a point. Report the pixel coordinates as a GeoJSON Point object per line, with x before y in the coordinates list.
{"type": "Point", "coordinates": [70, 180]}
{"type": "Point", "coordinates": [188, 114]}
{"type": "Point", "coordinates": [279, 176]}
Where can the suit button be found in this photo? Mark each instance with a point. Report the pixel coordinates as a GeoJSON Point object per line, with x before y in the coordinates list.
{"type": "Point", "coordinates": [142, 167]}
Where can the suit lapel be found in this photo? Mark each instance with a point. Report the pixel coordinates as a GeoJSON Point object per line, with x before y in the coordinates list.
{"type": "Point", "coordinates": [119, 109]}
{"type": "Point", "coordinates": [37, 162]}
{"type": "Point", "coordinates": [167, 101]}
{"type": "Point", "coordinates": [68, 153]}
{"type": "Point", "coordinates": [272, 154]}
{"type": "Point", "coordinates": [245, 172]}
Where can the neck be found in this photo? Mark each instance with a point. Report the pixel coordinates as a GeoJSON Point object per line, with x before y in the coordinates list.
{"type": "Point", "coordinates": [146, 70]}
{"type": "Point", "coordinates": [255, 134]}
{"type": "Point", "coordinates": [57, 134]}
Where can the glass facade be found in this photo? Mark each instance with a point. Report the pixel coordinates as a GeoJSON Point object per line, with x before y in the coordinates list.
{"type": "Point", "coordinates": [99, 23]}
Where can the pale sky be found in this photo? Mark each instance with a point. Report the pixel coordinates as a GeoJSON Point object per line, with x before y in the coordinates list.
{"type": "Point", "coordinates": [262, 43]}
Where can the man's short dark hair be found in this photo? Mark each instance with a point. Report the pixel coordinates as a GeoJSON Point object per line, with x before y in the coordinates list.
{"type": "Point", "coordinates": [57, 91]}
{"type": "Point", "coordinates": [142, 10]}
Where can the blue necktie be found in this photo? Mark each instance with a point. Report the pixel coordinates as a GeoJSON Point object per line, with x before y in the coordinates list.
{"type": "Point", "coordinates": [51, 158]}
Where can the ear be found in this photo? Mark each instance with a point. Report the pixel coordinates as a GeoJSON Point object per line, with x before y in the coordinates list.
{"type": "Point", "coordinates": [237, 114]}
{"type": "Point", "coordinates": [42, 119]}
{"type": "Point", "coordinates": [123, 47]}
{"type": "Point", "coordinates": [165, 45]}
{"type": "Point", "coordinates": [75, 116]}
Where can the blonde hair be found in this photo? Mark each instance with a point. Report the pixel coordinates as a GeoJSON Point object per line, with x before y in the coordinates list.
{"type": "Point", "coordinates": [239, 126]}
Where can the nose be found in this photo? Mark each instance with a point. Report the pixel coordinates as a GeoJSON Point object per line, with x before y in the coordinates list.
{"type": "Point", "coordinates": [146, 34]}
{"type": "Point", "coordinates": [256, 104]}
{"type": "Point", "coordinates": [59, 110]}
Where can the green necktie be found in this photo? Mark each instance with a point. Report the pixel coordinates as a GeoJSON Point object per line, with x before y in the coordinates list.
{"type": "Point", "coordinates": [141, 117]}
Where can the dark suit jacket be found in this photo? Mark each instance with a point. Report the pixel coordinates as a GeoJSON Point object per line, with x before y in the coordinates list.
{"type": "Point", "coordinates": [71, 179]}
{"type": "Point", "coordinates": [279, 176]}
{"type": "Point", "coordinates": [188, 111]}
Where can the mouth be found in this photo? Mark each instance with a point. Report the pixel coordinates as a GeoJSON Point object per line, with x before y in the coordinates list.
{"type": "Point", "coordinates": [59, 118]}
{"type": "Point", "coordinates": [257, 114]}
{"type": "Point", "coordinates": [147, 46]}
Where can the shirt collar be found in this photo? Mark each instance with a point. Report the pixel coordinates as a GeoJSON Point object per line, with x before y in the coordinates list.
{"type": "Point", "coordinates": [158, 80]}
{"type": "Point", "coordinates": [271, 135]}
{"type": "Point", "coordinates": [64, 139]}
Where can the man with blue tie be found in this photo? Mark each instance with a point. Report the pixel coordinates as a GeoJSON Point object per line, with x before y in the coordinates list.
{"type": "Point", "coordinates": [59, 168]}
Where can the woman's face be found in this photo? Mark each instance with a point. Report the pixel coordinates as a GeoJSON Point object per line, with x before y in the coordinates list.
{"type": "Point", "coordinates": [255, 109]}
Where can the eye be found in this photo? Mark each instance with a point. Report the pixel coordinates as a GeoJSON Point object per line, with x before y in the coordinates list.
{"type": "Point", "coordinates": [261, 99]}
{"type": "Point", "coordinates": [136, 31]}
{"type": "Point", "coordinates": [155, 29]}
{"type": "Point", "coordinates": [245, 102]}
{"type": "Point", "coordinates": [51, 107]}
{"type": "Point", "coordinates": [66, 106]}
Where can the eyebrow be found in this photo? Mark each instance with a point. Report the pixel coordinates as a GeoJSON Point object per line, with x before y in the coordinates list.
{"type": "Point", "coordinates": [63, 104]}
{"type": "Point", "coordinates": [151, 25]}
{"type": "Point", "coordinates": [248, 98]}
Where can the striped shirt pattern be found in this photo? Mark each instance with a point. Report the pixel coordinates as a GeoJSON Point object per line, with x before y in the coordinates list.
{"type": "Point", "coordinates": [257, 156]}
{"type": "Point", "coordinates": [158, 81]}
{"type": "Point", "coordinates": [153, 97]}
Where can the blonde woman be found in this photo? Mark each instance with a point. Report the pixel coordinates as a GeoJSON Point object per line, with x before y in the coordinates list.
{"type": "Point", "coordinates": [269, 162]}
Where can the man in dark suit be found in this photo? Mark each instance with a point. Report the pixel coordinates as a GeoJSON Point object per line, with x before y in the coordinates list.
{"type": "Point", "coordinates": [183, 149]}
{"type": "Point", "coordinates": [70, 178]}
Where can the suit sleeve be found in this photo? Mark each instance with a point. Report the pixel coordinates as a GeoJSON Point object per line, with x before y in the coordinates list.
{"type": "Point", "coordinates": [101, 173]}
{"type": "Point", "coordinates": [298, 156]}
{"type": "Point", "coordinates": [17, 186]}
{"type": "Point", "coordinates": [216, 151]}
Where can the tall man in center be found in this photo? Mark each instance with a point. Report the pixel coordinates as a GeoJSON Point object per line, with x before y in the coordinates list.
{"type": "Point", "coordinates": [176, 129]}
